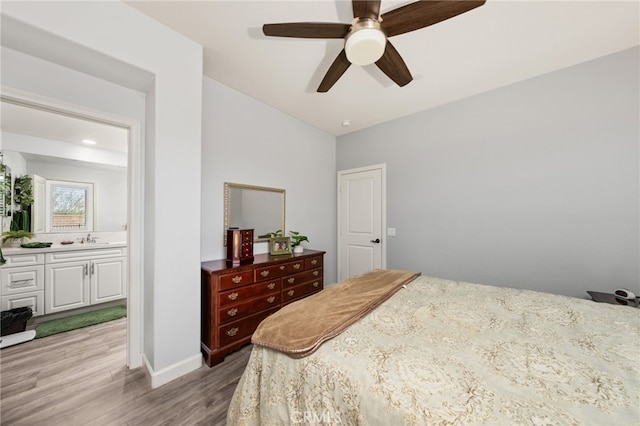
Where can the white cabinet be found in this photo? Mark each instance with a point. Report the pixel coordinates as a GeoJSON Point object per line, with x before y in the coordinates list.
{"type": "Point", "coordinates": [22, 282]}
{"type": "Point", "coordinates": [67, 286]}
{"type": "Point", "coordinates": [108, 279]}
{"type": "Point", "coordinates": [79, 278]}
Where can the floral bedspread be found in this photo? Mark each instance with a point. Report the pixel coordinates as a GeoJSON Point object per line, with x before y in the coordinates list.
{"type": "Point", "coordinates": [453, 353]}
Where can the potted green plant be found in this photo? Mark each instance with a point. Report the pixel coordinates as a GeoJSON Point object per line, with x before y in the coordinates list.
{"type": "Point", "coordinates": [15, 238]}
{"type": "Point", "coordinates": [296, 241]}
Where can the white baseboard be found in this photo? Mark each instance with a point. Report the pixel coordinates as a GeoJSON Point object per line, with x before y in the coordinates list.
{"type": "Point", "coordinates": [172, 372]}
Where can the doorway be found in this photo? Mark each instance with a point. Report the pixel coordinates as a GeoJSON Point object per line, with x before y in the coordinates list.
{"type": "Point", "coordinates": [134, 200]}
{"type": "Point", "coordinates": [361, 220]}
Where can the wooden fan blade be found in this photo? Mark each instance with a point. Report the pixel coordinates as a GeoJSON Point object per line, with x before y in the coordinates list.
{"type": "Point", "coordinates": [424, 13]}
{"type": "Point", "coordinates": [393, 66]}
{"type": "Point", "coordinates": [366, 8]}
{"type": "Point", "coordinates": [335, 71]}
{"type": "Point", "coordinates": [306, 30]}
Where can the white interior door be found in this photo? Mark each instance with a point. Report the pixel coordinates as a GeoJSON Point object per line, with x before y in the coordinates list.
{"type": "Point", "coordinates": [361, 221]}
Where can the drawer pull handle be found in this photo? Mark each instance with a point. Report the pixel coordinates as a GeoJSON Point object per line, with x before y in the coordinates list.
{"type": "Point", "coordinates": [291, 280]}
{"type": "Point", "coordinates": [315, 273]}
{"type": "Point", "coordinates": [264, 273]}
{"type": "Point", "coordinates": [271, 299]}
{"type": "Point", "coordinates": [233, 296]}
{"type": "Point", "coordinates": [314, 261]}
{"type": "Point", "coordinates": [316, 284]}
{"type": "Point", "coordinates": [236, 279]}
{"type": "Point", "coordinates": [232, 312]}
{"type": "Point", "coordinates": [282, 268]}
{"type": "Point", "coordinates": [296, 266]}
{"type": "Point", "coordinates": [232, 332]}
{"type": "Point", "coordinates": [291, 292]}
{"type": "Point", "coordinates": [271, 286]}
{"type": "Point", "coordinates": [20, 283]}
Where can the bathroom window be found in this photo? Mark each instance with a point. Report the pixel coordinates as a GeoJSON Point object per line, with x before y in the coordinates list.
{"type": "Point", "coordinates": [69, 206]}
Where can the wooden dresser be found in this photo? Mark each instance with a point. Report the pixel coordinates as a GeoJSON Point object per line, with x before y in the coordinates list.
{"type": "Point", "coordinates": [236, 299]}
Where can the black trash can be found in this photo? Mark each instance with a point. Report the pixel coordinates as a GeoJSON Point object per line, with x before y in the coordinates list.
{"type": "Point", "coordinates": [15, 320]}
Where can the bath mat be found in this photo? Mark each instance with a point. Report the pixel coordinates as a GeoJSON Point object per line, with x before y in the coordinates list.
{"type": "Point", "coordinates": [60, 325]}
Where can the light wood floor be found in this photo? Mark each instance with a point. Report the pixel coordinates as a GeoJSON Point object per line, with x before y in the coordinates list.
{"type": "Point", "coordinates": [80, 378]}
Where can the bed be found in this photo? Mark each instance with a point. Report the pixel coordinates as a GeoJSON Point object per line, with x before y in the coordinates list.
{"type": "Point", "coordinates": [440, 352]}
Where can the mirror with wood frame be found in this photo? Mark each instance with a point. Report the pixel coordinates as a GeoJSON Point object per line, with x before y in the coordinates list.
{"type": "Point", "coordinates": [254, 207]}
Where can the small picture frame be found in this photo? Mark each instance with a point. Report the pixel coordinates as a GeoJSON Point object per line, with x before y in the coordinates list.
{"type": "Point", "coordinates": [279, 245]}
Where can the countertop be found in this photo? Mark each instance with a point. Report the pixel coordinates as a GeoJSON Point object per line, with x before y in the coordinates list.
{"type": "Point", "coordinates": [8, 251]}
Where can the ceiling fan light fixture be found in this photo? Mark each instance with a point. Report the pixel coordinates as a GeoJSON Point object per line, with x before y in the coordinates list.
{"type": "Point", "coordinates": [365, 42]}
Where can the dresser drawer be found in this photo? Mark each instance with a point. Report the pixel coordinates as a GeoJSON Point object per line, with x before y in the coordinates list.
{"type": "Point", "coordinates": [302, 277]}
{"type": "Point", "coordinates": [237, 330]}
{"type": "Point", "coordinates": [252, 306]}
{"type": "Point", "coordinates": [279, 270]}
{"type": "Point", "coordinates": [247, 292]}
{"type": "Point", "coordinates": [303, 290]}
{"type": "Point", "coordinates": [234, 280]}
{"type": "Point", "coordinates": [312, 263]}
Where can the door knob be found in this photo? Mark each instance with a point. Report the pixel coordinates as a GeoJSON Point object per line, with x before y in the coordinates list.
{"type": "Point", "coordinates": [376, 241]}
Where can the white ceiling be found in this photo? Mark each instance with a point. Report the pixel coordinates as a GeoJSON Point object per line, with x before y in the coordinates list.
{"type": "Point", "coordinates": [497, 44]}
{"type": "Point", "coordinates": [46, 125]}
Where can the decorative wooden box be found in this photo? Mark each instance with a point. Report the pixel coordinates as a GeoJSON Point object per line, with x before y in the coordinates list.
{"type": "Point", "coordinates": [239, 246]}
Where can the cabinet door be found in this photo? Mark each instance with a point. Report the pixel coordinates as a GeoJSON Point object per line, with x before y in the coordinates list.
{"type": "Point", "coordinates": [108, 279]}
{"type": "Point", "coordinates": [66, 286]}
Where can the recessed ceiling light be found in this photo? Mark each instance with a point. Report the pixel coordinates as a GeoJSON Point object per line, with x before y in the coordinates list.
{"type": "Point", "coordinates": [89, 141]}
{"type": "Point", "coordinates": [346, 123]}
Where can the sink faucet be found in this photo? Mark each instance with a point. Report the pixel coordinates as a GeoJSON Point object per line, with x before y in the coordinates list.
{"type": "Point", "coordinates": [91, 239]}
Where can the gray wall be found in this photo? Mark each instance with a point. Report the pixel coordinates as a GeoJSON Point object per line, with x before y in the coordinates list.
{"type": "Point", "coordinates": [127, 55]}
{"type": "Point", "coordinates": [535, 185]}
{"type": "Point", "coordinates": [246, 141]}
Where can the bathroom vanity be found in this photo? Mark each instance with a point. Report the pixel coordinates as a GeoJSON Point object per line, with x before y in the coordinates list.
{"type": "Point", "coordinates": [63, 277]}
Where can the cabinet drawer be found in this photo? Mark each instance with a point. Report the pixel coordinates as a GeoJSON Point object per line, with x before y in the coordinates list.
{"type": "Point", "coordinates": [235, 280]}
{"type": "Point", "coordinates": [72, 256]}
{"type": "Point", "coordinates": [293, 293]}
{"type": "Point", "coordinates": [22, 279]}
{"type": "Point", "coordinates": [279, 270]}
{"type": "Point", "coordinates": [239, 329]}
{"type": "Point", "coordinates": [243, 293]}
{"type": "Point", "coordinates": [312, 263]}
{"type": "Point", "coordinates": [33, 299]}
{"type": "Point", "coordinates": [302, 277]}
{"type": "Point", "coordinates": [24, 260]}
{"type": "Point", "coordinates": [241, 310]}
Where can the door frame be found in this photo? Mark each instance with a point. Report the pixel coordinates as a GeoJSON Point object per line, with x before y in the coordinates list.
{"type": "Point", "coordinates": [135, 206]}
{"type": "Point", "coordinates": [383, 215]}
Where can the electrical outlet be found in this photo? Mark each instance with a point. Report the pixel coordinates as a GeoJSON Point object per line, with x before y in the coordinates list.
{"type": "Point", "coordinates": [391, 232]}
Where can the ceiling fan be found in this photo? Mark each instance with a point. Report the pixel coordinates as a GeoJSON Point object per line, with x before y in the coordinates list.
{"type": "Point", "coordinates": [366, 37]}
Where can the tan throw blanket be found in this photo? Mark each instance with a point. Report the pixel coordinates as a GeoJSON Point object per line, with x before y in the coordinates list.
{"type": "Point", "coordinates": [300, 328]}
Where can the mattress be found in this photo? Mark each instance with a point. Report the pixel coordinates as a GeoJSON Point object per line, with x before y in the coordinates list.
{"type": "Point", "coordinates": [447, 352]}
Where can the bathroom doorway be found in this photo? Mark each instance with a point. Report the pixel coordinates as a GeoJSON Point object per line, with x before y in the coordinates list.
{"type": "Point", "coordinates": [120, 160]}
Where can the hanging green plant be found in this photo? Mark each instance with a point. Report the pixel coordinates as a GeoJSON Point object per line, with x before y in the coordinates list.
{"type": "Point", "coordinates": [23, 191]}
